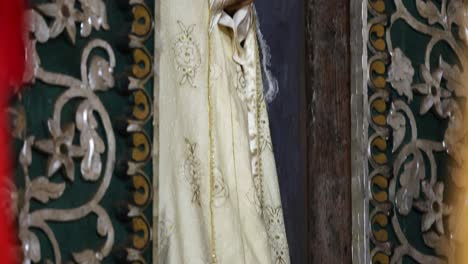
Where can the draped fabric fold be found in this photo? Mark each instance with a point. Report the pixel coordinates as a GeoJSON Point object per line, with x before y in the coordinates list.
{"type": "Point", "coordinates": [219, 199]}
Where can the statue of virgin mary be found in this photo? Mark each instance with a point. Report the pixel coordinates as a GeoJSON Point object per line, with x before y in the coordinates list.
{"type": "Point", "coordinates": [219, 199]}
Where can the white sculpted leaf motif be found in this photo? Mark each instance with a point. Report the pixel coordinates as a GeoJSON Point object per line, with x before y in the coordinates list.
{"type": "Point", "coordinates": [100, 74]}
{"type": "Point", "coordinates": [32, 62]}
{"type": "Point", "coordinates": [38, 26]}
{"type": "Point", "coordinates": [87, 257]}
{"type": "Point", "coordinates": [401, 73]}
{"type": "Point", "coordinates": [103, 225]}
{"type": "Point", "coordinates": [456, 14]}
{"type": "Point", "coordinates": [409, 181]}
{"type": "Point", "coordinates": [454, 78]}
{"type": "Point", "coordinates": [90, 142]}
{"type": "Point", "coordinates": [94, 16]}
{"type": "Point", "coordinates": [25, 157]}
{"type": "Point", "coordinates": [428, 10]}
{"type": "Point", "coordinates": [32, 250]}
{"type": "Point", "coordinates": [432, 239]}
{"type": "Point", "coordinates": [398, 123]}
{"type": "Point", "coordinates": [43, 190]}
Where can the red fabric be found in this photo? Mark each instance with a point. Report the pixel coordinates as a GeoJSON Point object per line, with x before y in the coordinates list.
{"type": "Point", "coordinates": [11, 72]}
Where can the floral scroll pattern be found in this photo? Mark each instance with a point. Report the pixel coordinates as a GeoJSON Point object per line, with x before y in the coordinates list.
{"type": "Point", "coordinates": [406, 179]}
{"type": "Point", "coordinates": [96, 150]}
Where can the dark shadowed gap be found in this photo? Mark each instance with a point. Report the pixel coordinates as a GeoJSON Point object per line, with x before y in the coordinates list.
{"type": "Point", "coordinates": [282, 25]}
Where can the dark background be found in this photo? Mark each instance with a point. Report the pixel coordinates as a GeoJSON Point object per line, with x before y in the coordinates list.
{"type": "Point", "coordinates": [310, 123]}
{"type": "Point", "coordinates": [281, 23]}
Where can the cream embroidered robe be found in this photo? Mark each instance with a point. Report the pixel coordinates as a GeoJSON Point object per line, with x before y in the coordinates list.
{"type": "Point", "coordinates": [218, 192]}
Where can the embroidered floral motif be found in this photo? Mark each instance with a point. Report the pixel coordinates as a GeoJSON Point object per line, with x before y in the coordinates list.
{"type": "Point", "coordinates": [240, 84]}
{"type": "Point", "coordinates": [191, 170]}
{"type": "Point", "coordinates": [276, 234]}
{"type": "Point", "coordinates": [221, 191]}
{"type": "Point", "coordinates": [265, 137]}
{"type": "Point", "coordinates": [186, 55]}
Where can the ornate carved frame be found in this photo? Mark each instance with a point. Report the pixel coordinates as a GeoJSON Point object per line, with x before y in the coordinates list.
{"type": "Point", "coordinates": [396, 166]}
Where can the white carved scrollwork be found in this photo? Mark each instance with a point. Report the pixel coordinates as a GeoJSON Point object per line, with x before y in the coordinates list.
{"type": "Point", "coordinates": [413, 180]}
{"type": "Point", "coordinates": [78, 140]}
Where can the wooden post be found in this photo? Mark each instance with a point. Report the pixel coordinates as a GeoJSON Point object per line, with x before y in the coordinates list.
{"type": "Point", "coordinates": [329, 137]}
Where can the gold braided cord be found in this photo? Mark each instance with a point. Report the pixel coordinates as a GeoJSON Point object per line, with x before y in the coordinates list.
{"type": "Point", "coordinates": [212, 151]}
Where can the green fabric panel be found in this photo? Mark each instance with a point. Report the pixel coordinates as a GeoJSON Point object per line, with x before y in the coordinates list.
{"type": "Point", "coordinates": [59, 55]}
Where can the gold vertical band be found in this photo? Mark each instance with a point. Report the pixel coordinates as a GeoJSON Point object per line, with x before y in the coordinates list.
{"type": "Point", "coordinates": [258, 103]}
{"type": "Point", "coordinates": [212, 151]}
